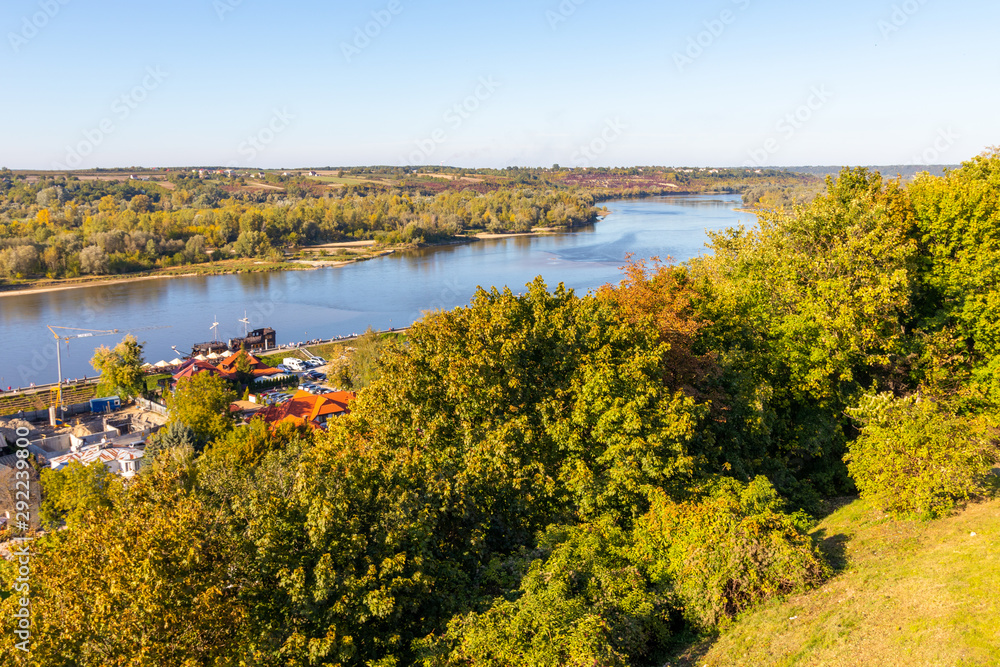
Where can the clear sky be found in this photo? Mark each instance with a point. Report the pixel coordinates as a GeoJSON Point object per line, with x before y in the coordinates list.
{"type": "Point", "coordinates": [89, 83]}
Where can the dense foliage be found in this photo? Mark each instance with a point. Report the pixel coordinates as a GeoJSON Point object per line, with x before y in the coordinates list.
{"type": "Point", "coordinates": [550, 479]}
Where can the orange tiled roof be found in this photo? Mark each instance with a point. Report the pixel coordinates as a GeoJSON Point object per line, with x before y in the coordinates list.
{"type": "Point", "coordinates": [306, 407]}
{"type": "Point", "coordinates": [228, 365]}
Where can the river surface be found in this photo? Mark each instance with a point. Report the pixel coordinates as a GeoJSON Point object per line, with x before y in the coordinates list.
{"type": "Point", "coordinates": [390, 291]}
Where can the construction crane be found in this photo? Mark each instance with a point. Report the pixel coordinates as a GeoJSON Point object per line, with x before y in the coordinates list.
{"type": "Point", "coordinates": [87, 333]}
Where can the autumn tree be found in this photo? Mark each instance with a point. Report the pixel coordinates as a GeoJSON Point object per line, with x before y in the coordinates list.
{"type": "Point", "coordinates": [166, 579]}
{"type": "Point", "coordinates": [140, 204]}
{"type": "Point", "coordinates": [75, 493]}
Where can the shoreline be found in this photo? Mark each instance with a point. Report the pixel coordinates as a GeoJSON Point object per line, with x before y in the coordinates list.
{"type": "Point", "coordinates": [92, 283]}
{"type": "Point", "coordinates": [220, 271]}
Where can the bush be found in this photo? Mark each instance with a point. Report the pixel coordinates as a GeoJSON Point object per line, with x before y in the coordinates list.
{"type": "Point", "coordinates": [916, 457]}
{"type": "Point", "coordinates": [728, 551]}
{"type": "Point", "coordinates": [581, 603]}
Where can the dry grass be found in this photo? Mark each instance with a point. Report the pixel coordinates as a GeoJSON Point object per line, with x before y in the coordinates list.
{"type": "Point", "coordinates": [907, 593]}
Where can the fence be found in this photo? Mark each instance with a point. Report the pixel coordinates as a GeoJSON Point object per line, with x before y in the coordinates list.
{"type": "Point", "coordinates": [152, 406]}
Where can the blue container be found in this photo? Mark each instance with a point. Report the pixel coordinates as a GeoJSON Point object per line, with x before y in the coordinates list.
{"type": "Point", "coordinates": [107, 404]}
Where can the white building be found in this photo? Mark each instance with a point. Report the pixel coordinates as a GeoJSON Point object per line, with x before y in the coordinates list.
{"type": "Point", "coordinates": [124, 461]}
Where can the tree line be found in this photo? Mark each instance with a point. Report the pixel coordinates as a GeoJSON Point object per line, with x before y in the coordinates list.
{"type": "Point", "coordinates": [59, 227]}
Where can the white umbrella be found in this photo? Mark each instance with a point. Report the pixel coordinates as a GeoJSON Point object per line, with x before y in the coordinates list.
{"type": "Point", "coordinates": [176, 361]}
{"type": "Point", "coordinates": [227, 354]}
{"type": "Point", "coordinates": [146, 365]}
{"type": "Point", "coordinates": [201, 357]}
{"type": "Point", "coordinates": [161, 364]}
{"type": "Point", "coordinates": [213, 355]}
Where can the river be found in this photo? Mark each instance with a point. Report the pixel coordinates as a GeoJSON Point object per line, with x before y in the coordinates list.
{"type": "Point", "coordinates": [390, 291]}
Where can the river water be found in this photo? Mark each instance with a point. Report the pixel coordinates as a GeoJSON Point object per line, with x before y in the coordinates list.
{"type": "Point", "coordinates": [390, 291]}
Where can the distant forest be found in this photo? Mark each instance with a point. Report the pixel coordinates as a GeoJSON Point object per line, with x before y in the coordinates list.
{"type": "Point", "coordinates": [118, 222]}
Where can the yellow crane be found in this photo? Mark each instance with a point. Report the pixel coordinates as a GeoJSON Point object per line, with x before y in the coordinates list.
{"type": "Point", "coordinates": [87, 333]}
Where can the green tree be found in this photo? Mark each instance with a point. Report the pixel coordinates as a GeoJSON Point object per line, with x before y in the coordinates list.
{"type": "Point", "coordinates": [959, 221]}
{"type": "Point", "coordinates": [244, 369]}
{"type": "Point", "coordinates": [120, 369]}
{"type": "Point", "coordinates": [174, 435]}
{"type": "Point", "coordinates": [252, 244]}
{"type": "Point", "coordinates": [201, 403]}
{"type": "Point", "coordinates": [194, 249]}
{"type": "Point", "coordinates": [247, 446]}
{"type": "Point", "coordinates": [493, 422]}
{"type": "Point", "coordinates": [802, 316]}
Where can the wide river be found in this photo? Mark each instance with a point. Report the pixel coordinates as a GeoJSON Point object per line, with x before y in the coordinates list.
{"type": "Point", "coordinates": [391, 291]}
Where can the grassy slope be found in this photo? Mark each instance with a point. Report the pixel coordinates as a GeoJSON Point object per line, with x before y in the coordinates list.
{"type": "Point", "coordinates": [907, 593]}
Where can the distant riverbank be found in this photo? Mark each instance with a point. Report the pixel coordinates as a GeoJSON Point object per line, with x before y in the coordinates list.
{"type": "Point", "coordinates": [366, 250]}
{"type": "Point", "coordinates": [225, 267]}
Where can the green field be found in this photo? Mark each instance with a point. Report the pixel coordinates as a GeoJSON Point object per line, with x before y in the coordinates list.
{"type": "Point", "coordinates": [906, 593]}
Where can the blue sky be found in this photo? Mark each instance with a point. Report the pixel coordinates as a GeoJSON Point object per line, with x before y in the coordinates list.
{"type": "Point", "coordinates": [522, 82]}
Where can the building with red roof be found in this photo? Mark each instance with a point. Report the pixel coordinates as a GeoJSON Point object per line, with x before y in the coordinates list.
{"type": "Point", "coordinates": [306, 408]}
{"type": "Point", "coordinates": [229, 365]}
{"type": "Point", "coordinates": [227, 368]}
{"type": "Point", "coordinates": [192, 367]}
